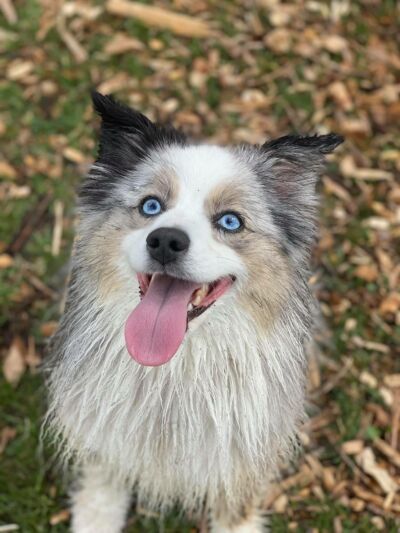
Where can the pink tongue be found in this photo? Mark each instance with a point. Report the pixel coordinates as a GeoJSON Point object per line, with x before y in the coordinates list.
{"type": "Point", "coordinates": [156, 327]}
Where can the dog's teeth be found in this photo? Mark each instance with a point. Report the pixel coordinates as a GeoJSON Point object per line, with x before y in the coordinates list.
{"type": "Point", "coordinates": [200, 294]}
{"type": "Point", "coordinates": [190, 307]}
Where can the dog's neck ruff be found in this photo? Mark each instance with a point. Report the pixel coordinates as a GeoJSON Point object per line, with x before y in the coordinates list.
{"type": "Point", "coordinates": [220, 414]}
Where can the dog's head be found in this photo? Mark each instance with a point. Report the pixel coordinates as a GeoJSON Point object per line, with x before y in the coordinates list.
{"type": "Point", "coordinates": [197, 225]}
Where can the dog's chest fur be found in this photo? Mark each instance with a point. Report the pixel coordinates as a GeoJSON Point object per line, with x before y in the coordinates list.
{"type": "Point", "coordinates": [219, 416]}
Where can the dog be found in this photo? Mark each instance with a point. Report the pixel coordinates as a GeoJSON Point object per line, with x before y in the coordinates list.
{"type": "Point", "coordinates": [178, 368]}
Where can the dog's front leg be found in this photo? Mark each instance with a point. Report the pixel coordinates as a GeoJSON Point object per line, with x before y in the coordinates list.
{"type": "Point", "coordinates": [249, 520]}
{"type": "Point", "coordinates": [99, 503]}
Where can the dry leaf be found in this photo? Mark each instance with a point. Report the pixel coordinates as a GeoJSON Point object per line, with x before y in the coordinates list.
{"type": "Point", "coordinates": [122, 43]}
{"type": "Point", "coordinates": [18, 69]}
{"type": "Point", "coordinates": [160, 17]}
{"type": "Point", "coordinates": [58, 518]}
{"type": "Point", "coordinates": [48, 328]}
{"type": "Point", "coordinates": [340, 94]}
{"type": "Point", "coordinates": [368, 379]}
{"type": "Point", "coordinates": [350, 170]}
{"type": "Point", "coordinates": [366, 460]}
{"type": "Point", "coordinates": [391, 304]}
{"type": "Point", "coordinates": [74, 155]}
{"type": "Point", "coordinates": [279, 40]}
{"type": "Point", "coordinates": [7, 171]}
{"type": "Point", "coordinates": [352, 447]}
{"type": "Point", "coordinates": [392, 381]}
{"type": "Point", "coordinates": [14, 364]}
{"type": "Point", "coordinates": [5, 261]}
{"type": "Point", "coordinates": [334, 43]}
{"type": "Point", "coordinates": [367, 272]}
{"type": "Point", "coordinates": [280, 504]}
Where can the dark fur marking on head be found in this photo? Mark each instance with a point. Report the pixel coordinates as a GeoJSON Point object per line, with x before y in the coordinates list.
{"type": "Point", "coordinates": [126, 137]}
{"type": "Point", "coordinates": [325, 144]}
{"type": "Point", "coordinates": [290, 182]}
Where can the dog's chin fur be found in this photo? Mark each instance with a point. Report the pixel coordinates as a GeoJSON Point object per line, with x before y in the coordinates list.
{"type": "Point", "coordinates": [210, 427]}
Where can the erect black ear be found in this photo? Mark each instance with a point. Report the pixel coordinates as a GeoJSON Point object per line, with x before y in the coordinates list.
{"type": "Point", "coordinates": [127, 135]}
{"type": "Point", "coordinates": [289, 170]}
{"type": "Point", "coordinates": [297, 159]}
{"type": "Point", "coordinates": [308, 145]}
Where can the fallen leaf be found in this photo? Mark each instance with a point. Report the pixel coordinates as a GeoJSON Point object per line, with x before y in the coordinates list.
{"type": "Point", "coordinates": [339, 92]}
{"type": "Point", "coordinates": [279, 40]}
{"type": "Point", "coordinates": [366, 460]}
{"type": "Point", "coordinates": [367, 272]}
{"type": "Point", "coordinates": [7, 171]}
{"type": "Point", "coordinates": [74, 155]}
{"type": "Point", "coordinates": [392, 381]}
{"type": "Point", "coordinates": [14, 364]}
{"type": "Point", "coordinates": [350, 170]}
{"type": "Point", "coordinates": [280, 504]}
{"type": "Point", "coordinates": [391, 304]}
{"type": "Point", "coordinates": [334, 43]}
{"type": "Point", "coordinates": [368, 379]}
{"type": "Point", "coordinates": [5, 261]}
{"type": "Point", "coordinates": [48, 328]}
{"type": "Point", "coordinates": [58, 518]}
{"type": "Point", "coordinates": [352, 447]}
{"type": "Point", "coordinates": [18, 69]}
{"type": "Point", "coordinates": [122, 43]}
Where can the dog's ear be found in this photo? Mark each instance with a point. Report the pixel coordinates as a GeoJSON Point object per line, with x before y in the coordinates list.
{"type": "Point", "coordinates": [314, 145]}
{"type": "Point", "coordinates": [126, 135]}
{"type": "Point", "coordinates": [289, 169]}
{"type": "Point", "coordinates": [295, 161]}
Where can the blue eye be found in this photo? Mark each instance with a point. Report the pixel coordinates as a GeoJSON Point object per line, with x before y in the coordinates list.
{"type": "Point", "coordinates": [230, 222]}
{"type": "Point", "coordinates": [150, 207]}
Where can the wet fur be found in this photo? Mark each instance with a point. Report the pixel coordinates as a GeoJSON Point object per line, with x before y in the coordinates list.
{"type": "Point", "coordinates": [211, 426]}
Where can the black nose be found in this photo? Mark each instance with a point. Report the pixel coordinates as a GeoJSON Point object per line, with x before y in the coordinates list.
{"type": "Point", "coordinates": [167, 244]}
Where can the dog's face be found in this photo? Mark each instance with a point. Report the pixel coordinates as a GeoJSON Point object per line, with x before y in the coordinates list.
{"type": "Point", "coordinates": [200, 226]}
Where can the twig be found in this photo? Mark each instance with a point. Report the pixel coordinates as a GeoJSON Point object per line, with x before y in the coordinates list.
{"type": "Point", "coordinates": [8, 10]}
{"type": "Point", "coordinates": [29, 223]}
{"type": "Point", "coordinates": [159, 17]}
{"type": "Point", "coordinates": [58, 228]}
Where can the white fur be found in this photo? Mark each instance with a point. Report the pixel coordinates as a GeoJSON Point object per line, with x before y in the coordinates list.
{"type": "Point", "coordinates": [218, 418]}
{"type": "Point", "coordinates": [99, 505]}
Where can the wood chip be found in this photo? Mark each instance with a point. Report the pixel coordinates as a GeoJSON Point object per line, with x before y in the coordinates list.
{"type": "Point", "coordinates": [14, 364]}
{"type": "Point", "coordinates": [370, 345]}
{"type": "Point", "coordinates": [7, 171]}
{"type": "Point", "coordinates": [352, 447]}
{"type": "Point", "coordinates": [368, 379]}
{"type": "Point", "coordinates": [366, 460]}
{"type": "Point", "coordinates": [281, 503]}
{"type": "Point", "coordinates": [5, 261]}
{"type": "Point", "coordinates": [122, 43]}
{"type": "Point", "coordinates": [391, 304]}
{"type": "Point", "coordinates": [160, 18]}
{"type": "Point", "coordinates": [367, 272]}
{"type": "Point", "coordinates": [61, 516]}
{"type": "Point", "coordinates": [19, 69]}
{"type": "Point", "coordinates": [350, 170]}
{"type": "Point", "coordinates": [392, 380]}
{"type": "Point", "coordinates": [74, 155]}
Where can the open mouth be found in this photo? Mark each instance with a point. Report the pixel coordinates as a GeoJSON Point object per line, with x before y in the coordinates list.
{"type": "Point", "coordinates": [156, 327]}
{"type": "Point", "coordinates": [201, 299]}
